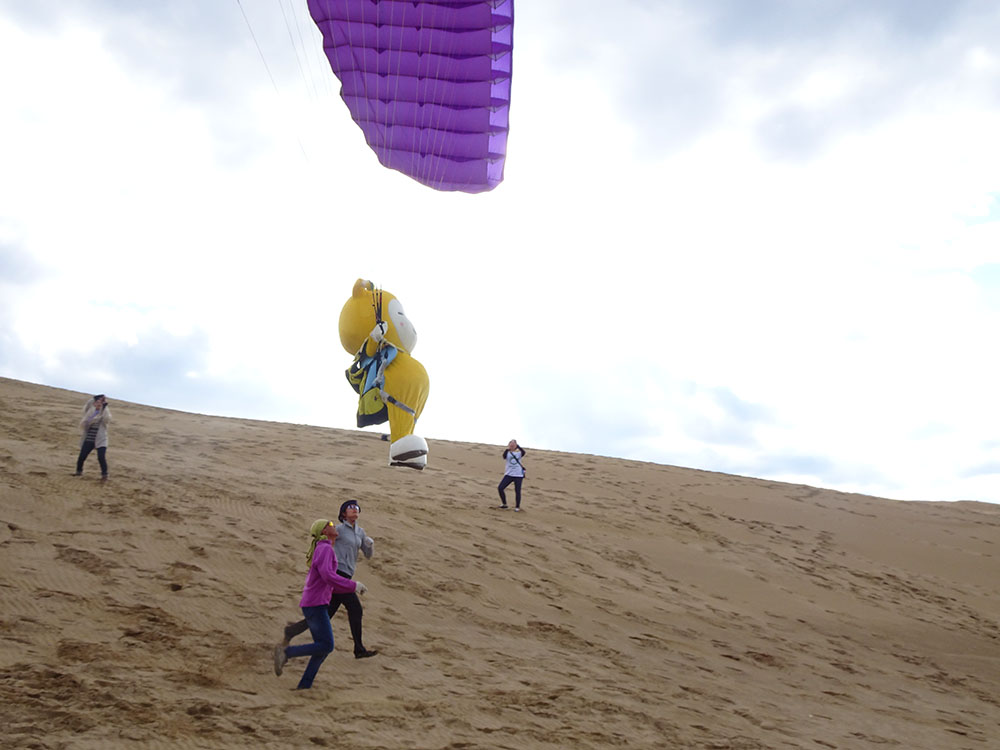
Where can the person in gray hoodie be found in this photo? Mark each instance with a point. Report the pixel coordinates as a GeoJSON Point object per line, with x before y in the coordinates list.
{"type": "Point", "coordinates": [94, 433]}
{"type": "Point", "coordinates": [351, 539]}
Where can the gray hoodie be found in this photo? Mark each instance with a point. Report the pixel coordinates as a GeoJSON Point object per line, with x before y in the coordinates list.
{"type": "Point", "coordinates": [350, 539]}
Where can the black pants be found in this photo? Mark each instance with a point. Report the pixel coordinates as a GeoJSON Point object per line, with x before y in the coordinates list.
{"type": "Point", "coordinates": [85, 450]}
{"type": "Point", "coordinates": [354, 609]}
{"type": "Point", "coordinates": [507, 479]}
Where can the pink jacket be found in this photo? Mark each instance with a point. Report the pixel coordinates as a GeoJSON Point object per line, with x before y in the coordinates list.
{"type": "Point", "coordinates": [322, 581]}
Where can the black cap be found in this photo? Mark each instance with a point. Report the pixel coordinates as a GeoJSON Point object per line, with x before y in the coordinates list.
{"type": "Point", "coordinates": [345, 505]}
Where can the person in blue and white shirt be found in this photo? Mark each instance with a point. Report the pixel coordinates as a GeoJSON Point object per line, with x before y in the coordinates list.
{"type": "Point", "coordinates": [513, 472]}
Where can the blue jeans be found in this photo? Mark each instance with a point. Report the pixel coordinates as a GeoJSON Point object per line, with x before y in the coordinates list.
{"type": "Point", "coordinates": [318, 620]}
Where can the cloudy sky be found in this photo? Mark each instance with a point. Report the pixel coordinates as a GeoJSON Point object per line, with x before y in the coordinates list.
{"type": "Point", "coordinates": [761, 238]}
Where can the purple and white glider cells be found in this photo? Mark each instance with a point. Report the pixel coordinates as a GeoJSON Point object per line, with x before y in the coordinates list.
{"type": "Point", "coordinates": [427, 81]}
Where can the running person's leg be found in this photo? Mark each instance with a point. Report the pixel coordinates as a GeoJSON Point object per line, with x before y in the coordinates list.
{"type": "Point", "coordinates": [319, 649]}
{"type": "Point", "coordinates": [293, 629]}
{"type": "Point", "coordinates": [354, 614]}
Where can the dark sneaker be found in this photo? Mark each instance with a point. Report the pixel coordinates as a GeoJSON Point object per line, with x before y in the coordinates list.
{"type": "Point", "coordinates": [503, 507]}
{"type": "Point", "coordinates": [365, 654]}
{"type": "Point", "coordinates": [279, 659]}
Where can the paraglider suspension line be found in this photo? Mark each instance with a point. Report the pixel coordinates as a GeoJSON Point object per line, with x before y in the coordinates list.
{"type": "Point", "coordinates": [377, 304]}
{"type": "Point", "coordinates": [380, 376]}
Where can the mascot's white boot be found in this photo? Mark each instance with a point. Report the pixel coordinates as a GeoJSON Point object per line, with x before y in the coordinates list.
{"type": "Point", "coordinates": [409, 450]}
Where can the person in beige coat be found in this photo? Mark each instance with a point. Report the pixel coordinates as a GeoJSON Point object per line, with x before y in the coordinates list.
{"type": "Point", "coordinates": [94, 433]}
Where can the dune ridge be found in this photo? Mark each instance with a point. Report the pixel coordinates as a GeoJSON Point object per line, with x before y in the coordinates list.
{"type": "Point", "coordinates": [632, 605]}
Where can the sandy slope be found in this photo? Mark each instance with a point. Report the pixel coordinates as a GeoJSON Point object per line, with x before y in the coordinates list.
{"type": "Point", "coordinates": [631, 605]}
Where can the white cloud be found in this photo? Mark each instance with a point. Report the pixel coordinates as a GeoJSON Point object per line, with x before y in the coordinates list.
{"type": "Point", "coordinates": [722, 241]}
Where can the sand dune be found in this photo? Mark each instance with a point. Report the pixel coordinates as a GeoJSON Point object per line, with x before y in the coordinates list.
{"type": "Point", "coordinates": [632, 605]}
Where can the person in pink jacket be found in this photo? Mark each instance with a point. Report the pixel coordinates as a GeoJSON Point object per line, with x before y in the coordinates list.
{"type": "Point", "coordinates": [321, 583]}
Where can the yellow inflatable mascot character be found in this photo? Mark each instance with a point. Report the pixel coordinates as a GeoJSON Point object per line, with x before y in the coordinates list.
{"type": "Point", "coordinates": [391, 384]}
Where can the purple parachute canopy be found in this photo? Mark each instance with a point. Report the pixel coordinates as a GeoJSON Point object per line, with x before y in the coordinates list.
{"type": "Point", "coordinates": [428, 81]}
